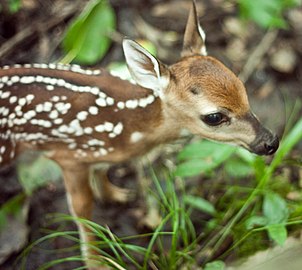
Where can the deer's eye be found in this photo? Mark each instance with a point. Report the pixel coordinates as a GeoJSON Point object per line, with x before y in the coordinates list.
{"type": "Point", "coordinates": [214, 119]}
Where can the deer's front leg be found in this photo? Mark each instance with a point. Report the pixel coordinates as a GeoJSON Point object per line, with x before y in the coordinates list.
{"type": "Point", "coordinates": [80, 202]}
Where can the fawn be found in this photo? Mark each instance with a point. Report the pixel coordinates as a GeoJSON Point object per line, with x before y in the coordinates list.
{"type": "Point", "coordinates": [79, 117]}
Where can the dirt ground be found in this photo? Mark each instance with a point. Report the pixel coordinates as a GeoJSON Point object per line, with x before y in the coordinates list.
{"type": "Point", "coordinates": [273, 79]}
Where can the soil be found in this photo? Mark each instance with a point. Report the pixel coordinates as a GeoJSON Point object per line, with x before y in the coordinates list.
{"type": "Point", "coordinates": [271, 87]}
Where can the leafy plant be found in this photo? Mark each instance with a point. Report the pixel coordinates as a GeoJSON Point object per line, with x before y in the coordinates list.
{"type": "Point", "coordinates": [175, 244]}
{"type": "Point", "coordinates": [12, 207]}
{"type": "Point", "coordinates": [268, 13]}
{"type": "Point", "coordinates": [202, 157]}
{"type": "Point", "coordinates": [168, 247]}
{"type": "Point", "coordinates": [87, 38]}
{"type": "Point", "coordinates": [275, 216]}
{"type": "Point", "coordinates": [216, 265]}
{"type": "Point", "coordinates": [12, 5]}
{"type": "Point", "coordinates": [37, 173]}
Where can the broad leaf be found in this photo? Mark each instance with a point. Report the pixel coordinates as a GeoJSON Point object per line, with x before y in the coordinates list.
{"type": "Point", "coordinates": [87, 39]}
{"type": "Point", "coordinates": [268, 13]}
{"type": "Point", "coordinates": [38, 173]}
{"type": "Point", "coordinates": [204, 149]}
{"type": "Point", "coordinates": [278, 233]}
{"type": "Point", "coordinates": [194, 167]}
{"type": "Point", "coordinates": [254, 221]}
{"type": "Point", "coordinates": [202, 156]}
{"type": "Point", "coordinates": [276, 211]}
{"type": "Point", "coordinates": [275, 208]}
{"type": "Point", "coordinates": [238, 168]}
{"type": "Point", "coordinates": [216, 265]}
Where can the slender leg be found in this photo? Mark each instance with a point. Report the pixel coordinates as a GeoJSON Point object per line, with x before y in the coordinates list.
{"type": "Point", "coordinates": [152, 217]}
{"type": "Point", "coordinates": [107, 191]}
{"type": "Point", "coordinates": [80, 202]}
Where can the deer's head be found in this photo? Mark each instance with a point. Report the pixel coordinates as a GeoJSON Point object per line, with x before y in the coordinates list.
{"type": "Point", "coordinates": [202, 94]}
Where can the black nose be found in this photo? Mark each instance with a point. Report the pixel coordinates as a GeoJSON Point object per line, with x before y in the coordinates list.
{"type": "Point", "coordinates": [272, 146]}
{"type": "Point", "coordinates": [265, 144]}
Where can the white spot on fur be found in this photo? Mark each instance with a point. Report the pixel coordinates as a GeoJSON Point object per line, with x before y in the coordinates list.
{"type": "Point", "coordinates": [82, 116]}
{"type": "Point", "coordinates": [93, 110]}
{"type": "Point", "coordinates": [136, 137]}
{"type": "Point", "coordinates": [121, 105]}
{"type": "Point", "coordinates": [88, 130]}
{"type": "Point", "coordinates": [50, 87]}
{"type": "Point", "coordinates": [101, 102]}
{"type": "Point", "coordinates": [131, 104]}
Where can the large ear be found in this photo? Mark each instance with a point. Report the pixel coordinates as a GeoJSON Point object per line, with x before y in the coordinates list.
{"type": "Point", "coordinates": [145, 69]}
{"type": "Point", "coordinates": [194, 38]}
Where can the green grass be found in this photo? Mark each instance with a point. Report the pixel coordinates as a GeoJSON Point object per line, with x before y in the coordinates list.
{"type": "Point", "coordinates": [252, 205]}
{"type": "Point", "coordinates": [258, 208]}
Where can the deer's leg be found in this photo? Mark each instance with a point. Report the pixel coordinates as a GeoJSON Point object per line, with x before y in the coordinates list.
{"type": "Point", "coordinates": [80, 202]}
{"type": "Point", "coordinates": [152, 217]}
{"type": "Point", "coordinates": [107, 191]}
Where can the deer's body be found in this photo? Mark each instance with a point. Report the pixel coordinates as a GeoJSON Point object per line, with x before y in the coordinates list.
{"type": "Point", "coordinates": [94, 117]}
{"type": "Point", "coordinates": [81, 117]}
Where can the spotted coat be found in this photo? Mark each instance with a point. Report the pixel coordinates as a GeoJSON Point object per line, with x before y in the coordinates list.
{"type": "Point", "coordinates": [86, 118]}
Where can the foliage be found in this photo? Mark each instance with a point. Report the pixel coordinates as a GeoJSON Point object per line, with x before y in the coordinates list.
{"type": "Point", "coordinates": [202, 157]}
{"type": "Point", "coordinates": [32, 176]}
{"type": "Point", "coordinates": [12, 207]}
{"type": "Point", "coordinates": [169, 246]}
{"type": "Point", "coordinates": [275, 216]}
{"type": "Point", "coordinates": [37, 173]}
{"type": "Point", "coordinates": [240, 213]}
{"type": "Point", "coordinates": [216, 265]}
{"type": "Point", "coordinates": [87, 38]}
{"type": "Point", "coordinates": [268, 13]}
{"type": "Point", "coordinates": [12, 5]}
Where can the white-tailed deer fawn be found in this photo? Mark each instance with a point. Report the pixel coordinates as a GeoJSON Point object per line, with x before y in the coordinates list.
{"type": "Point", "coordinates": [81, 117]}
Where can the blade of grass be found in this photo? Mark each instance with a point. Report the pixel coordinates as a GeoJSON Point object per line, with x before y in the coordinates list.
{"type": "Point", "coordinates": [293, 137]}
{"type": "Point", "coordinates": [153, 239]}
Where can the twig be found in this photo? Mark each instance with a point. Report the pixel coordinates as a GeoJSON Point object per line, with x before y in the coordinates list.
{"type": "Point", "coordinates": [257, 55]}
{"type": "Point", "coordinates": [30, 30]}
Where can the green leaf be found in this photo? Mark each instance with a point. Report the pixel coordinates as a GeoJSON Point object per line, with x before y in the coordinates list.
{"type": "Point", "coordinates": [278, 233]}
{"type": "Point", "coordinates": [194, 167]}
{"type": "Point", "coordinates": [14, 5]}
{"type": "Point", "coordinates": [87, 38]}
{"type": "Point", "coordinates": [204, 149]}
{"type": "Point", "coordinates": [200, 204]}
{"type": "Point", "coordinates": [3, 220]}
{"type": "Point", "coordinates": [268, 13]}
{"type": "Point", "coordinates": [216, 265]}
{"type": "Point", "coordinates": [202, 156]}
{"type": "Point", "coordinates": [254, 221]}
{"type": "Point", "coordinates": [275, 208]}
{"type": "Point", "coordinates": [12, 207]}
{"type": "Point", "coordinates": [38, 173]}
{"type": "Point", "coordinates": [238, 168]}
{"type": "Point", "coordinates": [276, 211]}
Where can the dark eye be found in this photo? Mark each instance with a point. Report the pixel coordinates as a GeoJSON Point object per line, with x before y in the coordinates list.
{"type": "Point", "coordinates": [214, 119]}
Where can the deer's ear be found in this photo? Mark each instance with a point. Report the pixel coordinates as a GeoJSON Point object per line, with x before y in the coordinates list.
{"type": "Point", "coordinates": [194, 38]}
{"type": "Point", "coordinates": [145, 69]}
